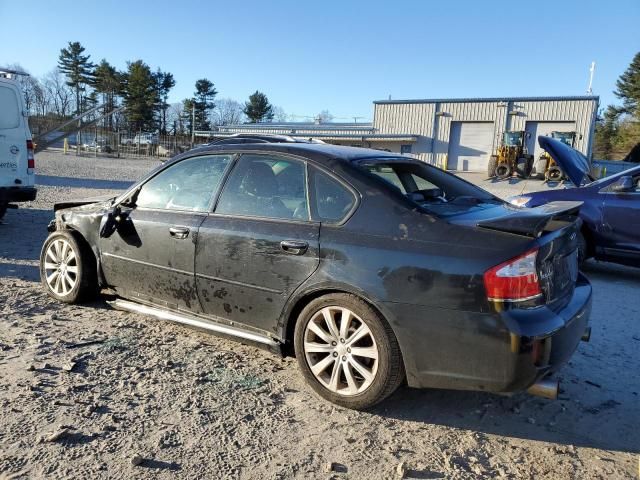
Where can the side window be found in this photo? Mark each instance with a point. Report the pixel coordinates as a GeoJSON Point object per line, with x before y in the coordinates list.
{"type": "Point", "coordinates": [333, 200]}
{"type": "Point", "coordinates": [266, 186]}
{"type": "Point", "coordinates": [187, 185]}
{"type": "Point", "coordinates": [9, 110]}
{"type": "Point", "coordinates": [404, 149]}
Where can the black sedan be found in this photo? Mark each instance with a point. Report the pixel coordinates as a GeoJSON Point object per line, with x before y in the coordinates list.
{"type": "Point", "coordinates": [371, 268]}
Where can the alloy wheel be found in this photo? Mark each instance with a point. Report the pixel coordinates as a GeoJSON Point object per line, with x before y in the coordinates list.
{"type": "Point", "coordinates": [61, 267]}
{"type": "Point", "coordinates": [341, 351]}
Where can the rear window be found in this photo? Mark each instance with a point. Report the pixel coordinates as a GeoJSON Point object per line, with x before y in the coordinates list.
{"type": "Point", "coordinates": [9, 110]}
{"type": "Point", "coordinates": [430, 187]}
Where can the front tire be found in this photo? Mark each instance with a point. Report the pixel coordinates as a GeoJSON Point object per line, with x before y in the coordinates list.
{"type": "Point", "coordinates": [347, 352]}
{"type": "Point", "coordinates": [491, 166]}
{"type": "Point", "coordinates": [554, 174]}
{"type": "Point", "coordinates": [68, 268]}
{"type": "Point", "coordinates": [503, 171]}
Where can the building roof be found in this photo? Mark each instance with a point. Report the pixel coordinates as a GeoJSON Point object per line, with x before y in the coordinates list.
{"type": "Point", "coordinates": [490, 99]}
{"type": "Point", "coordinates": [297, 126]}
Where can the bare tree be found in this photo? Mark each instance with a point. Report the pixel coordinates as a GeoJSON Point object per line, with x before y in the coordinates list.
{"type": "Point", "coordinates": [228, 112]}
{"type": "Point", "coordinates": [175, 117]}
{"type": "Point", "coordinates": [279, 115]}
{"type": "Point", "coordinates": [58, 92]}
{"type": "Point", "coordinates": [324, 117]}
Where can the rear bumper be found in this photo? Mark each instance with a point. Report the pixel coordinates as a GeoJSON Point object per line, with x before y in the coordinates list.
{"type": "Point", "coordinates": [497, 352]}
{"type": "Point", "coordinates": [17, 194]}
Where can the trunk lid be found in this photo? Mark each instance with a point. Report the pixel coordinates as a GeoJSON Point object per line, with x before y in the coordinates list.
{"type": "Point", "coordinates": [554, 226]}
{"type": "Point", "coordinates": [530, 222]}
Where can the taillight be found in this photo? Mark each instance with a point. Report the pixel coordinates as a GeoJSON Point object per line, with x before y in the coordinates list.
{"type": "Point", "coordinates": [31, 161]}
{"type": "Point", "coordinates": [515, 280]}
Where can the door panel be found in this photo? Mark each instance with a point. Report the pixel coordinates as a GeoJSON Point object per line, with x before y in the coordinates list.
{"type": "Point", "coordinates": [622, 222]}
{"type": "Point", "coordinates": [470, 145]}
{"type": "Point", "coordinates": [144, 258]}
{"type": "Point", "coordinates": [244, 274]}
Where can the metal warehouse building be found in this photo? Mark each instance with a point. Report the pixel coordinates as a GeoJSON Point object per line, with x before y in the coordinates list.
{"type": "Point", "coordinates": [457, 134]}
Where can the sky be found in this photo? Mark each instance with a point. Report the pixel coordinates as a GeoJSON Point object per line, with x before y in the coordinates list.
{"type": "Point", "coordinates": [340, 55]}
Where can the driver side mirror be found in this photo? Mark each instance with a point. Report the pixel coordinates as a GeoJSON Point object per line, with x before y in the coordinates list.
{"type": "Point", "coordinates": [623, 184]}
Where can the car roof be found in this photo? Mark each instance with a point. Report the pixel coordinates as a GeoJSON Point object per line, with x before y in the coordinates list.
{"type": "Point", "coordinates": [317, 151]}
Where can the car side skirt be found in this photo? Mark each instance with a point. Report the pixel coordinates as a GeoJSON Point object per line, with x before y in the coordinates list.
{"type": "Point", "coordinates": [227, 331]}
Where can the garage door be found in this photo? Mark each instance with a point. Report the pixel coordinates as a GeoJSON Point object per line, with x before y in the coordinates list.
{"type": "Point", "coordinates": [544, 128]}
{"type": "Point", "coordinates": [470, 145]}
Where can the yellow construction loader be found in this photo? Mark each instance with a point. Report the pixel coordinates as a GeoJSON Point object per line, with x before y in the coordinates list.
{"type": "Point", "coordinates": [511, 157]}
{"type": "Point", "coordinates": [545, 168]}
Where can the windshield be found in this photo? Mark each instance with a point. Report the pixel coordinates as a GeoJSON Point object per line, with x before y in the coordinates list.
{"type": "Point", "coordinates": [512, 139]}
{"type": "Point", "coordinates": [429, 187]}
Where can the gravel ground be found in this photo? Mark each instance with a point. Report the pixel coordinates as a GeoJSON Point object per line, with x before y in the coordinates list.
{"type": "Point", "coordinates": [90, 392]}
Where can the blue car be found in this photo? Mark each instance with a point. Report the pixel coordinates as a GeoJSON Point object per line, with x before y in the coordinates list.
{"type": "Point", "coordinates": [610, 210]}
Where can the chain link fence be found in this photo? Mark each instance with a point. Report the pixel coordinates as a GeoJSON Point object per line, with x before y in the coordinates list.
{"type": "Point", "coordinates": [125, 144]}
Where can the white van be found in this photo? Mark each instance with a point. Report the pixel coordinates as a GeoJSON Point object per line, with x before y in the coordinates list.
{"type": "Point", "coordinates": [17, 164]}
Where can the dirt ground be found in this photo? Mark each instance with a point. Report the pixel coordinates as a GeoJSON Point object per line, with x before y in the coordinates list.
{"type": "Point", "coordinates": [90, 392]}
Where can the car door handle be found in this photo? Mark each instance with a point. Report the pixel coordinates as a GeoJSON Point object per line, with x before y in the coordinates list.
{"type": "Point", "coordinates": [294, 247]}
{"type": "Point", "coordinates": [179, 232]}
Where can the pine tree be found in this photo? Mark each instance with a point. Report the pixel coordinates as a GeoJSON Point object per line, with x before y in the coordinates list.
{"type": "Point", "coordinates": [628, 88]}
{"type": "Point", "coordinates": [258, 108]}
{"type": "Point", "coordinates": [108, 82]}
{"type": "Point", "coordinates": [203, 102]}
{"type": "Point", "coordinates": [77, 68]}
{"type": "Point", "coordinates": [140, 95]}
{"type": "Point", "coordinates": [187, 114]}
{"type": "Point", "coordinates": [164, 83]}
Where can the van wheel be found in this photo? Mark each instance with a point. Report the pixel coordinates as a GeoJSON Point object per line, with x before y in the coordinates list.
{"type": "Point", "coordinates": [68, 268]}
{"type": "Point", "coordinates": [347, 352]}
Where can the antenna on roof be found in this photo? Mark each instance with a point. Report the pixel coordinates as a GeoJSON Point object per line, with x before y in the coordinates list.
{"type": "Point", "coordinates": [592, 69]}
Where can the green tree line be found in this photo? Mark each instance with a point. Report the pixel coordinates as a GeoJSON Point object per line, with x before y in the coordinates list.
{"type": "Point", "coordinates": [618, 127]}
{"type": "Point", "coordinates": [78, 84]}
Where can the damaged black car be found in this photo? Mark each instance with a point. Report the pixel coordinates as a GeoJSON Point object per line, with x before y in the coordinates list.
{"type": "Point", "coordinates": [373, 269]}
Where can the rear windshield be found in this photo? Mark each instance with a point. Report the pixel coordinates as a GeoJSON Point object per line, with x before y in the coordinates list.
{"type": "Point", "coordinates": [429, 187]}
{"type": "Point", "coordinates": [9, 110]}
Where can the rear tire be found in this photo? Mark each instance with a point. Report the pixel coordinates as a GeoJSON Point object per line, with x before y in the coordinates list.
{"type": "Point", "coordinates": [68, 268]}
{"type": "Point", "coordinates": [503, 171]}
{"type": "Point", "coordinates": [491, 167]}
{"type": "Point", "coordinates": [328, 332]}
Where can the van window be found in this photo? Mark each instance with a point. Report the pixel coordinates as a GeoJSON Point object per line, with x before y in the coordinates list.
{"type": "Point", "coordinates": [9, 110]}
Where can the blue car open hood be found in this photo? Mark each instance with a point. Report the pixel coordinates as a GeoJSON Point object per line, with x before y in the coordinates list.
{"type": "Point", "coordinates": [573, 163]}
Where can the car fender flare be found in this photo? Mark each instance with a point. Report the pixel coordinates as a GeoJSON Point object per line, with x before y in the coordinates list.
{"type": "Point", "coordinates": [307, 292]}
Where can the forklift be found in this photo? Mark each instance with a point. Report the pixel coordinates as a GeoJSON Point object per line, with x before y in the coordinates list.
{"type": "Point", "coordinates": [546, 168]}
{"type": "Point", "coordinates": [511, 157]}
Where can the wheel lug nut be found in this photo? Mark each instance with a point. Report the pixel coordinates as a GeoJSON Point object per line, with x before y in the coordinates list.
{"type": "Point", "coordinates": [342, 340]}
{"type": "Point", "coordinates": [335, 354]}
{"type": "Point", "coordinates": [333, 344]}
{"type": "Point", "coordinates": [348, 350]}
{"type": "Point", "coordinates": [344, 358]}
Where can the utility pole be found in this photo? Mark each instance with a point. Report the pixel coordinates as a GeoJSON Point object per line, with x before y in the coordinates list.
{"type": "Point", "coordinates": [193, 124]}
{"type": "Point", "coordinates": [591, 72]}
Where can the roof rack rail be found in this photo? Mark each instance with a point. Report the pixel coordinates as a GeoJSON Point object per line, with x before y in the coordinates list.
{"type": "Point", "coordinates": [9, 73]}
